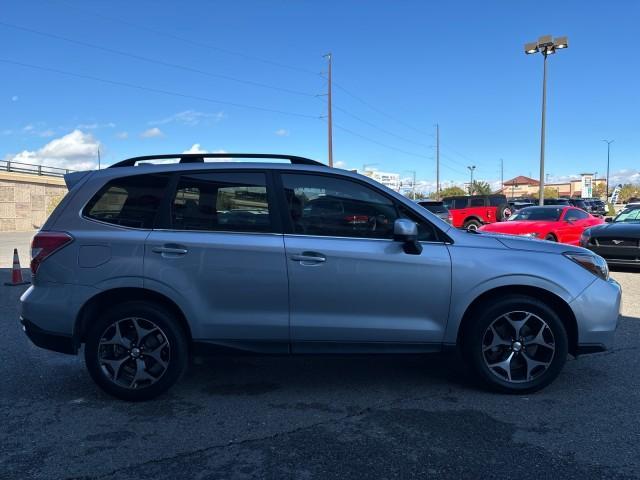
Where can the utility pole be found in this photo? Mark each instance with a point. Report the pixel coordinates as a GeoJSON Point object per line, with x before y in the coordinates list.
{"type": "Point", "coordinates": [329, 115]}
{"type": "Point", "coordinates": [98, 158]}
{"type": "Point", "coordinates": [501, 175]}
{"type": "Point", "coordinates": [437, 161]}
{"type": "Point", "coordinates": [413, 186]}
{"type": "Point", "coordinates": [608, 142]}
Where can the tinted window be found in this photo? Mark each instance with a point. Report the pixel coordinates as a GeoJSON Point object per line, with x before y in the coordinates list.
{"type": "Point", "coordinates": [322, 205]}
{"type": "Point", "coordinates": [129, 201]}
{"type": "Point", "coordinates": [537, 213]}
{"type": "Point", "coordinates": [575, 214]}
{"type": "Point", "coordinates": [460, 203]}
{"type": "Point", "coordinates": [221, 201]}
{"type": "Point", "coordinates": [477, 202]}
{"type": "Point", "coordinates": [497, 201]}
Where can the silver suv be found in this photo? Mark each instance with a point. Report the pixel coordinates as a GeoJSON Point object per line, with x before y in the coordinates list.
{"type": "Point", "coordinates": [143, 263]}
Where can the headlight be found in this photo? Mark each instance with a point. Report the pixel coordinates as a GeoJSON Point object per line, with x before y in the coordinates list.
{"type": "Point", "coordinates": [529, 235]}
{"type": "Point", "coordinates": [594, 263]}
{"type": "Point", "coordinates": [584, 238]}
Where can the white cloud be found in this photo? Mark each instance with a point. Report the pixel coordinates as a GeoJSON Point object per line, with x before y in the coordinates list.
{"type": "Point", "coordinates": [28, 128]}
{"type": "Point", "coordinates": [190, 117]}
{"type": "Point", "coordinates": [152, 132]}
{"type": "Point", "coordinates": [93, 126]}
{"type": "Point", "coordinates": [196, 148]}
{"type": "Point", "coordinates": [122, 135]}
{"type": "Point", "coordinates": [281, 132]}
{"type": "Point", "coordinates": [339, 164]}
{"type": "Point", "coordinates": [15, 98]}
{"type": "Point", "coordinates": [47, 133]}
{"type": "Point", "coordinates": [76, 151]}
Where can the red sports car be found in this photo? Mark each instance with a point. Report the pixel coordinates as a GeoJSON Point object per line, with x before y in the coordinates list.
{"type": "Point", "coordinates": [551, 222]}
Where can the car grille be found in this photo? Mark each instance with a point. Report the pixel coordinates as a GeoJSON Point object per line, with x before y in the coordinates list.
{"type": "Point", "coordinates": [615, 242]}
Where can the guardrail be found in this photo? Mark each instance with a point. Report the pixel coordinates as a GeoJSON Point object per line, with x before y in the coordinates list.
{"type": "Point", "coordinates": [9, 166]}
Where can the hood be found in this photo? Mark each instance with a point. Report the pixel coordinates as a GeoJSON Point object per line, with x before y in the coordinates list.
{"type": "Point", "coordinates": [615, 229]}
{"type": "Point", "coordinates": [517, 226]}
{"type": "Point", "coordinates": [533, 244]}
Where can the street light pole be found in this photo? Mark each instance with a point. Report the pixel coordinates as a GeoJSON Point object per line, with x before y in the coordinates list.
{"type": "Point", "coordinates": [608, 142]}
{"type": "Point", "coordinates": [545, 45]}
{"type": "Point", "coordinates": [471, 169]}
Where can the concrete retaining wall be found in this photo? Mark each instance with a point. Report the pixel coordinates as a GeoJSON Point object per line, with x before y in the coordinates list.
{"type": "Point", "coordinates": [27, 200]}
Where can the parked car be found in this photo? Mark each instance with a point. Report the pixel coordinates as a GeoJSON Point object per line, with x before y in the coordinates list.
{"type": "Point", "coordinates": [618, 240]}
{"type": "Point", "coordinates": [437, 208]}
{"type": "Point", "coordinates": [143, 265]}
{"type": "Point", "coordinates": [556, 201]}
{"type": "Point", "coordinates": [470, 212]}
{"type": "Point", "coordinates": [516, 205]}
{"type": "Point", "coordinates": [555, 223]}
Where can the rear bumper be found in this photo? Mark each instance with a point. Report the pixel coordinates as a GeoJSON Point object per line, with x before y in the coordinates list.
{"type": "Point", "coordinates": [49, 340]}
{"type": "Point", "coordinates": [597, 311]}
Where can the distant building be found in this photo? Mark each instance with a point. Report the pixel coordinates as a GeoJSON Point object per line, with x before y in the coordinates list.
{"type": "Point", "coordinates": [522, 186]}
{"type": "Point", "coordinates": [390, 180]}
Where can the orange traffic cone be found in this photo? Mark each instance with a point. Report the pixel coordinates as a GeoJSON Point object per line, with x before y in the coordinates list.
{"type": "Point", "coordinates": [16, 271]}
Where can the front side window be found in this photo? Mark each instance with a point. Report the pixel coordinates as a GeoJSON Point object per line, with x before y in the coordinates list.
{"type": "Point", "coordinates": [327, 206]}
{"type": "Point", "coordinates": [128, 201]}
{"type": "Point", "coordinates": [575, 214]}
{"type": "Point", "coordinates": [221, 201]}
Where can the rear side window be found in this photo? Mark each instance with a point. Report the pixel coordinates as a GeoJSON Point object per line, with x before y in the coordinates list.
{"type": "Point", "coordinates": [497, 201]}
{"type": "Point", "coordinates": [477, 202]}
{"type": "Point", "coordinates": [222, 201]}
{"type": "Point", "coordinates": [128, 201]}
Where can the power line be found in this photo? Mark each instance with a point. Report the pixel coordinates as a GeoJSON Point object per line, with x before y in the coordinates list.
{"type": "Point", "coordinates": [158, 90]}
{"type": "Point", "coordinates": [189, 41]}
{"type": "Point", "coordinates": [155, 61]}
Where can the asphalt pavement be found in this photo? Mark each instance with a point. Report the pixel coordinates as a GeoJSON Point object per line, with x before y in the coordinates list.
{"type": "Point", "coordinates": [320, 417]}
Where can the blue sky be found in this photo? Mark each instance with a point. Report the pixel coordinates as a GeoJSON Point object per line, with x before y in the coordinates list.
{"type": "Point", "coordinates": [459, 64]}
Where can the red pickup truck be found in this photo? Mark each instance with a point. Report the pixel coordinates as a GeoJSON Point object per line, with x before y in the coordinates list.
{"type": "Point", "coordinates": [472, 211]}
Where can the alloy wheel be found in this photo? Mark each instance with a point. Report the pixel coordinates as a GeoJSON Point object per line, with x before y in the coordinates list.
{"type": "Point", "coordinates": [518, 347]}
{"type": "Point", "coordinates": [134, 353]}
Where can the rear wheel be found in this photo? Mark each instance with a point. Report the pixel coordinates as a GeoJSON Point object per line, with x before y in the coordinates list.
{"type": "Point", "coordinates": [503, 212]}
{"type": "Point", "coordinates": [471, 224]}
{"type": "Point", "coordinates": [136, 351]}
{"type": "Point", "coordinates": [515, 345]}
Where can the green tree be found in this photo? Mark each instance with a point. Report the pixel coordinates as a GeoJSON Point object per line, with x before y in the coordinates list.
{"type": "Point", "coordinates": [449, 192]}
{"type": "Point", "coordinates": [628, 191]}
{"type": "Point", "coordinates": [480, 188]}
{"type": "Point", "coordinates": [549, 192]}
{"type": "Point", "coordinates": [600, 190]}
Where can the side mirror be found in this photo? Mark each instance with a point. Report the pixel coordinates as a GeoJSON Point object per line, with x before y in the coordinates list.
{"type": "Point", "coordinates": [406, 231]}
{"type": "Point", "coordinates": [608, 219]}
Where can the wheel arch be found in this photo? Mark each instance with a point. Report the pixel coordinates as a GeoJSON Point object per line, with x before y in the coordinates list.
{"type": "Point", "coordinates": [106, 298]}
{"type": "Point", "coordinates": [473, 217]}
{"type": "Point", "coordinates": [557, 303]}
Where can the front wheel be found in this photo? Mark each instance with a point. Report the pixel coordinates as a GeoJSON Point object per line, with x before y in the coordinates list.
{"type": "Point", "coordinates": [551, 237]}
{"type": "Point", "coordinates": [516, 345]}
{"type": "Point", "coordinates": [136, 351]}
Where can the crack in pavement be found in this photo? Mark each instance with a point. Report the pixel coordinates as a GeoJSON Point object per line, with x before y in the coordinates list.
{"type": "Point", "coordinates": [232, 443]}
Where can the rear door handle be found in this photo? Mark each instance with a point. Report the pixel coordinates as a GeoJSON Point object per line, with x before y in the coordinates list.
{"type": "Point", "coordinates": [309, 258]}
{"type": "Point", "coordinates": [173, 250]}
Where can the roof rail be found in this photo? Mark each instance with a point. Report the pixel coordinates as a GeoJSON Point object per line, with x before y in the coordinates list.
{"type": "Point", "coordinates": [199, 158]}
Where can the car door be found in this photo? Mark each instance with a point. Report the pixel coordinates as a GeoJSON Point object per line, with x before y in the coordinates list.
{"type": "Point", "coordinates": [349, 282]}
{"type": "Point", "coordinates": [574, 222]}
{"type": "Point", "coordinates": [220, 253]}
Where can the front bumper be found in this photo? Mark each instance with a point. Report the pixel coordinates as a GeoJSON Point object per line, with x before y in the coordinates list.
{"type": "Point", "coordinates": [49, 340]}
{"type": "Point", "coordinates": [597, 312]}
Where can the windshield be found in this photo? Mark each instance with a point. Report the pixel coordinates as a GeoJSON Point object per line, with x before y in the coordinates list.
{"type": "Point", "coordinates": [537, 213]}
{"type": "Point", "coordinates": [628, 215]}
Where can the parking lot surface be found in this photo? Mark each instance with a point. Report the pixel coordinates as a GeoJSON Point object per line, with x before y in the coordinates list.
{"type": "Point", "coordinates": [320, 417]}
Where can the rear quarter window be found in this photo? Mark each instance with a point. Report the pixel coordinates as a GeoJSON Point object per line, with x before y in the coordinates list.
{"type": "Point", "coordinates": [128, 201]}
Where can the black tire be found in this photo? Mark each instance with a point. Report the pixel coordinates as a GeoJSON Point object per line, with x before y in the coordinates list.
{"type": "Point", "coordinates": [175, 354]}
{"type": "Point", "coordinates": [551, 237]}
{"type": "Point", "coordinates": [474, 344]}
{"type": "Point", "coordinates": [471, 224]}
{"type": "Point", "coordinates": [503, 212]}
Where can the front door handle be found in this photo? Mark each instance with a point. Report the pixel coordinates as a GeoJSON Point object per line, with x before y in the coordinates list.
{"type": "Point", "coordinates": [309, 258]}
{"type": "Point", "coordinates": [172, 250]}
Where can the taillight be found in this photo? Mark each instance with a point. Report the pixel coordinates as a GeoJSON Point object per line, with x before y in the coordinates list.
{"type": "Point", "coordinates": [44, 244]}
